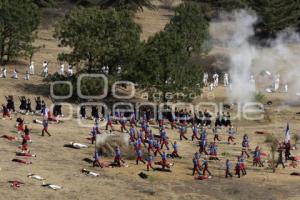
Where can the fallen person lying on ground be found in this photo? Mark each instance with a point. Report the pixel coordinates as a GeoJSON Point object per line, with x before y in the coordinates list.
{"type": "Point", "coordinates": [203, 177]}
{"type": "Point", "coordinates": [35, 176]}
{"type": "Point", "coordinates": [25, 154]}
{"type": "Point", "coordinates": [75, 145]}
{"type": "Point", "coordinates": [89, 173]}
{"type": "Point", "coordinates": [51, 186]}
{"type": "Point", "coordinates": [15, 184]}
{"type": "Point", "coordinates": [10, 138]}
{"type": "Point", "coordinates": [21, 161]}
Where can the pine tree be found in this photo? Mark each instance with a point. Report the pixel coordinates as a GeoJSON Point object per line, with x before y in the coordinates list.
{"type": "Point", "coordinates": [274, 15]}
{"type": "Point", "coordinates": [18, 21]}
{"type": "Point", "coordinates": [45, 3]}
{"type": "Point", "coordinates": [277, 15]}
{"type": "Point", "coordinates": [133, 5]}
{"type": "Point", "coordinates": [98, 38]}
{"type": "Point", "coordinates": [162, 64]}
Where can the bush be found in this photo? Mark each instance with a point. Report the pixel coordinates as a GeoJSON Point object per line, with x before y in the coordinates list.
{"type": "Point", "coordinates": [92, 86]}
{"type": "Point", "coordinates": [61, 90]}
{"type": "Point", "coordinates": [273, 144]}
{"type": "Point", "coordinates": [259, 97]}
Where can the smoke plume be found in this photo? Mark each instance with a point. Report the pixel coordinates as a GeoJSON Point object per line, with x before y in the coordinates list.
{"type": "Point", "coordinates": [232, 35]}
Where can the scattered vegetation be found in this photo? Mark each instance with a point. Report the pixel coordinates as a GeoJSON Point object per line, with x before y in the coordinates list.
{"type": "Point", "coordinates": [259, 97]}
{"type": "Point", "coordinates": [273, 144]}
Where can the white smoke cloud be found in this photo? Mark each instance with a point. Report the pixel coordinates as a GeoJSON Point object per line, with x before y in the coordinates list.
{"type": "Point", "coordinates": [232, 33]}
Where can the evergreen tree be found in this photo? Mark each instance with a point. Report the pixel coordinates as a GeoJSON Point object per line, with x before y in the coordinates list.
{"type": "Point", "coordinates": [212, 7]}
{"type": "Point", "coordinates": [99, 38]}
{"type": "Point", "coordinates": [44, 3]}
{"type": "Point", "coordinates": [133, 5]}
{"type": "Point", "coordinates": [276, 15]}
{"type": "Point", "coordinates": [18, 21]}
{"type": "Point", "coordinates": [189, 25]}
{"type": "Point", "coordinates": [163, 63]}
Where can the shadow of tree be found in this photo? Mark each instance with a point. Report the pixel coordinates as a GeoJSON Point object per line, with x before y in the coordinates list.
{"type": "Point", "coordinates": [42, 89]}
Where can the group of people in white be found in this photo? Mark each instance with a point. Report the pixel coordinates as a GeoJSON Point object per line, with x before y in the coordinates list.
{"type": "Point", "coordinates": [62, 70]}
{"type": "Point", "coordinates": [276, 85]}
{"type": "Point", "coordinates": [31, 71]}
{"type": "Point", "coordinates": [215, 81]}
{"type": "Point", "coordinates": [45, 71]}
{"type": "Point", "coordinates": [227, 83]}
{"type": "Point", "coordinates": [105, 69]}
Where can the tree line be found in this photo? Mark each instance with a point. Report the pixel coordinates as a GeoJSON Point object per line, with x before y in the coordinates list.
{"type": "Point", "coordinates": [110, 37]}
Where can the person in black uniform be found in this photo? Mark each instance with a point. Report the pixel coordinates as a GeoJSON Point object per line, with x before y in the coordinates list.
{"type": "Point", "coordinates": [95, 113]}
{"type": "Point", "coordinates": [28, 106]}
{"type": "Point", "coordinates": [207, 117]}
{"type": "Point", "coordinates": [218, 120]}
{"type": "Point", "coordinates": [228, 120]}
{"type": "Point", "coordinates": [223, 119]}
{"type": "Point", "coordinates": [10, 103]}
{"type": "Point", "coordinates": [23, 103]}
{"type": "Point", "coordinates": [82, 112]}
{"type": "Point", "coordinates": [38, 106]}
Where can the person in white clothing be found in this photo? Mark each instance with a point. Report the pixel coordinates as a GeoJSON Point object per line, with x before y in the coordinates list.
{"type": "Point", "coordinates": [45, 69]}
{"type": "Point", "coordinates": [230, 86]}
{"type": "Point", "coordinates": [119, 70]}
{"type": "Point", "coordinates": [45, 64]}
{"type": "Point", "coordinates": [226, 80]}
{"type": "Point", "coordinates": [3, 74]}
{"type": "Point", "coordinates": [205, 78]}
{"type": "Point", "coordinates": [106, 70]}
{"type": "Point", "coordinates": [31, 68]}
{"type": "Point", "coordinates": [277, 82]}
{"type": "Point", "coordinates": [27, 76]}
{"type": "Point", "coordinates": [252, 84]}
{"type": "Point", "coordinates": [286, 88]}
{"type": "Point", "coordinates": [61, 70]}
{"type": "Point", "coordinates": [211, 86]}
{"type": "Point", "coordinates": [15, 74]}
{"type": "Point", "coordinates": [216, 79]}
{"type": "Point", "coordinates": [70, 70]}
